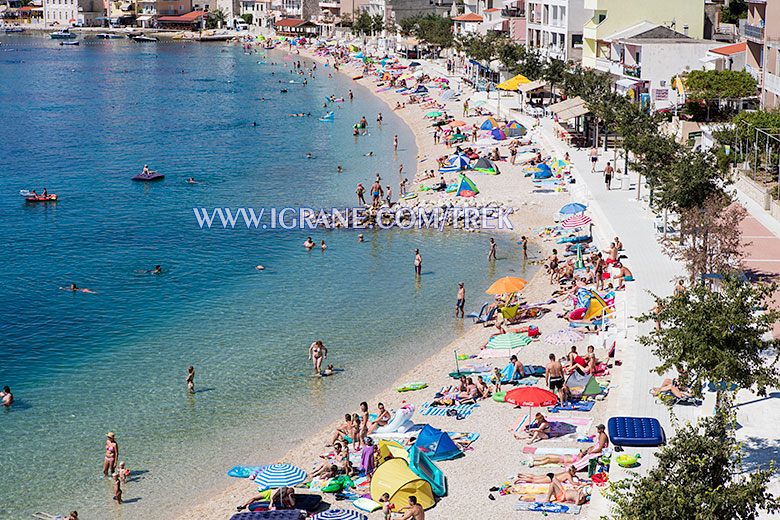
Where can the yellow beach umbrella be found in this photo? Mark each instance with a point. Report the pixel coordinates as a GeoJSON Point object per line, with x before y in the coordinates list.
{"type": "Point", "coordinates": [506, 285]}
{"type": "Point", "coordinates": [513, 83]}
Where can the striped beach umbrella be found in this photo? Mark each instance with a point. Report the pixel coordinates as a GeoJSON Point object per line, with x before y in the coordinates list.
{"type": "Point", "coordinates": [576, 221]}
{"type": "Point", "coordinates": [509, 340]}
{"type": "Point", "coordinates": [279, 475]}
{"type": "Point", "coordinates": [339, 514]}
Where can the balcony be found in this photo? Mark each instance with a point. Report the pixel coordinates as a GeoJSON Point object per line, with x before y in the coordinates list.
{"type": "Point", "coordinates": [754, 32]}
{"type": "Point", "coordinates": [772, 83]}
{"type": "Point", "coordinates": [507, 12]}
{"type": "Point", "coordinates": [756, 73]}
{"type": "Point", "coordinates": [632, 71]}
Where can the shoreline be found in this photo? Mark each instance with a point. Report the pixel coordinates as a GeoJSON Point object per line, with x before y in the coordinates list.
{"type": "Point", "coordinates": [304, 453]}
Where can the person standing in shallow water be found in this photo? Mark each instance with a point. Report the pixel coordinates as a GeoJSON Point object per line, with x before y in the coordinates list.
{"type": "Point", "coordinates": [317, 352]}
{"type": "Point", "coordinates": [461, 301]}
{"type": "Point", "coordinates": [112, 454]}
{"type": "Point", "coordinates": [191, 380]}
{"type": "Point", "coordinates": [417, 262]}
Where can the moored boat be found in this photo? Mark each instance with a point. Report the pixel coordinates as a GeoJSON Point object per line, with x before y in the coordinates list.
{"type": "Point", "coordinates": [63, 34]}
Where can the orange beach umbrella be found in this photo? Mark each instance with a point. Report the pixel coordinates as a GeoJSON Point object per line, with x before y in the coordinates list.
{"type": "Point", "coordinates": [456, 123]}
{"type": "Point", "coordinates": [506, 285]}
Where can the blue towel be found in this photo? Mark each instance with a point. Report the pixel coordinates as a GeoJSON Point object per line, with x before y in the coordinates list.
{"type": "Point", "coordinates": [577, 406]}
{"type": "Point", "coordinates": [463, 409]}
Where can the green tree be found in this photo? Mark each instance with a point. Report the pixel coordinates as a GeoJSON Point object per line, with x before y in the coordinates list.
{"type": "Point", "coordinates": [554, 72]}
{"type": "Point", "coordinates": [711, 240]}
{"type": "Point", "coordinates": [247, 17]}
{"type": "Point", "coordinates": [697, 476]}
{"type": "Point", "coordinates": [436, 30]}
{"type": "Point", "coordinates": [530, 63]}
{"type": "Point", "coordinates": [735, 10]}
{"type": "Point", "coordinates": [714, 336]}
{"type": "Point", "coordinates": [692, 178]}
{"type": "Point", "coordinates": [216, 19]}
{"type": "Point", "coordinates": [377, 23]}
{"type": "Point", "coordinates": [362, 24]}
{"type": "Point", "coordinates": [715, 85]}
{"type": "Point", "coordinates": [408, 26]}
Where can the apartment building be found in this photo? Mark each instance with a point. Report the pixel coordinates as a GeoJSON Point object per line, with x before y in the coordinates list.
{"type": "Point", "coordinates": [554, 27]}
{"type": "Point", "coordinates": [762, 57]}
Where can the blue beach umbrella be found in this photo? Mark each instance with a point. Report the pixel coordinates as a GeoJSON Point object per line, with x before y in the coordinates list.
{"type": "Point", "coordinates": [573, 208]}
{"type": "Point", "coordinates": [339, 514]}
{"type": "Point", "coordinates": [279, 475]}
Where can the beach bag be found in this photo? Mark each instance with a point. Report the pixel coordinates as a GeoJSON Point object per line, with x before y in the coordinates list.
{"type": "Point", "coordinates": [533, 331]}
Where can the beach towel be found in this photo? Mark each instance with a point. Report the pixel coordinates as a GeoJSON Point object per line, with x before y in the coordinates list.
{"type": "Point", "coordinates": [560, 427]}
{"type": "Point", "coordinates": [548, 507]}
{"type": "Point", "coordinates": [462, 410]}
{"type": "Point", "coordinates": [463, 439]}
{"type": "Point", "coordinates": [575, 406]}
{"type": "Point", "coordinates": [545, 450]}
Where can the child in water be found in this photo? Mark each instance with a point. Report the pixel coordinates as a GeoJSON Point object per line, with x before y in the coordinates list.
{"type": "Point", "coordinates": [123, 472]}
{"type": "Point", "coordinates": [329, 370]}
{"type": "Point", "coordinates": [117, 488]}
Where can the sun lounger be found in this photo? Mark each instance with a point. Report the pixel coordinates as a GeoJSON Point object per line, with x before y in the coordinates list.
{"type": "Point", "coordinates": [669, 399]}
{"type": "Point", "coordinates": [635, 431]}
{"type": "Point", "coordinates": [489, 316]}
{"type": "Point", "coordinates": [477, 315]}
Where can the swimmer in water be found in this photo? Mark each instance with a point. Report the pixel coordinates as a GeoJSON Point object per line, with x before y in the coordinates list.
{"type": "Point", "coordinates": [339, 169]}
{"type": "Point", "coordinates": [309, 243]}
{"type": "Point", "coordinates": [309, 156]}
{"type": "Point", "coordinates": [360, 238]}
{"type": "Point", "coordinates": [75, 289]}
{"type": "Point", "coordinates": [369, 154]}
{"type": "Point", "coordinates": [322, 245]}
{"type": "Point", "coordinates": [157, 270]}
{"type": "Point", "coordinates": [259, 267]}
{"type": "Point", "coordinates": [328, 371]}
{"type": "Point", "coordinates": [191, 181]}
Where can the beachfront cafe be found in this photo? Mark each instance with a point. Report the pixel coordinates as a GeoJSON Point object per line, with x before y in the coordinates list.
{"type": "Point", "coordinates": [571, 120]}
{"type": "Point", "coordinates": [185, 22]}
{"type": "Point", "coordinates": [296, 27]}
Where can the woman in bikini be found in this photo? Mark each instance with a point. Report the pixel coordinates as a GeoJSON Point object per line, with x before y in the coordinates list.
{"type": "Point", "coordinates": [556, 459]}
{"type": "Point", "coordinates": [112, 454]}
{"type": "Point", "coordinates": [531, 478]}
{"type": "Point", "coordinates": [317, 352]}
{"type": "Point", "coordinates": [539, 430]}
{"type": "Point", "coordinates": [282, 498]}
{"type": "Point", "coordinates": [381, 420]}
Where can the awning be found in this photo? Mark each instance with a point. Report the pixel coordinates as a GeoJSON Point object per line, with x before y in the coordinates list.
{"type": "Point", "coordinates": [626, 83]}
{"type": "Point", "coordinates": [571, 113]}
{"type": "Point", "coordinates": [566, 104]}
{"type": "Point", "coordinates": [145, 18]}
{"type": "Point", "coordinates": [410, 42]}
{"type": "Point", "coordinates": [530, 87]}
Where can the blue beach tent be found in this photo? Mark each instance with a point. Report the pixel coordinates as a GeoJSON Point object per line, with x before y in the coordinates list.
{"type": "Point", "coordinates": [436, 444]}
{"type": "Point", "coordinates": [456, 163]}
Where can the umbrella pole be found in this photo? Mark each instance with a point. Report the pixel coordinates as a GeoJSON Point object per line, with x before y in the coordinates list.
{"type": "Point", "coordinates": [457, 368]}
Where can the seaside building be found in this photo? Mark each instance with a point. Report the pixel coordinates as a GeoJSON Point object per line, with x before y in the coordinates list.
{"type": "Point", "coordinates": [68, 12]}
{"type": "Point", "coordinates": [261, 11]}
{"type": "Point", "coordinates": [467, 23]}
{"type": "Point", "coordinates": [643, 59]}
{"type": "Point", "coordinates": [514, 13]}
{"type": "Point", "coordinates": [728, 57]}
{"type": "Point", "coordinates": [296, 27]}
{"type": "Point", "coordinates": [555, 27]}
{"type": "Point", "coordinates": [393, 11]}
{"type": "Point", "coordinates": [230, 8]}
{"type": "Point", "coordinates": [612, 16]}
{"type": "Point", "coordinates": [762, 38]}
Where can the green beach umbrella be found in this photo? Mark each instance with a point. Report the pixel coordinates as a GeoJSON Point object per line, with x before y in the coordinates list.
{"type": "Point", "coordinates": [433, 114]}
{"type": "Point", "coordinates": [579, 264]}
{"type": "Point", "coordinates": [509, 340]}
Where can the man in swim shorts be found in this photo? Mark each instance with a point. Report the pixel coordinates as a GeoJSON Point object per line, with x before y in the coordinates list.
{"type": "Point", "coordinates": [553, 376]}
{"type": "Point", "coordinates": [459, 304]}
{"type": "Point", "coordinates": [376, 193]}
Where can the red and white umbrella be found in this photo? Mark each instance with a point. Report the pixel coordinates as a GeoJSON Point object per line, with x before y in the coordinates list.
{"type": "Point", "coordinates": [576, 221]}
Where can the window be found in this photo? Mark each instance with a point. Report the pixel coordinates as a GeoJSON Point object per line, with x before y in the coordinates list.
{"type": "Point", "coordinates": [563, 17]}
{"type": "Point", "coordinates": [576, 40]}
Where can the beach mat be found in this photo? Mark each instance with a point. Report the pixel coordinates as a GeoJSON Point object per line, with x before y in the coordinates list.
{"type": "Point", "coordinates": [548, 507]}
{"type": "Point", "coordinates": [538, 450]}
{"type": "Point", "coordinates": [439, 411]}
{"type": "Point", "coordinates": [576, 406]}
{"type": "Point", "coordinates": [560, 427]}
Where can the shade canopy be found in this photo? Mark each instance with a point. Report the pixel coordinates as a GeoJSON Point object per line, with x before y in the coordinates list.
{"type": "Point", "coordinates": [508, 341]}
{"type": "Point", "coordinates": [280, 475]}
{"type": "Point", "coordinates": [513, 83]}
{"type": "Point", "coordinates": [506, 285]}
{"type": "Point", "coordinates": [573, 208]}
{"type": "Point", "coordinates": [339, 514]}
{"type": "Point", "coordinates": [576, 221]}
{"type": "Point", "coordinates": [530, 396]}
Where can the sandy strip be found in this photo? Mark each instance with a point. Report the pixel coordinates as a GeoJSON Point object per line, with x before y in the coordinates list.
{"type": "Point", "coordinates": [496, 454]}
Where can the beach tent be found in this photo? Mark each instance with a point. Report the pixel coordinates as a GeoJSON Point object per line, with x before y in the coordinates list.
{"type": "Point", "coordinates": [466, 187]}
{"type": "Point", "coordinates": [421, 89]}
{"type": "Point", "coordinates": [489, 124]}
{"type": "Point", "coordinates": [424, 467]}
{"type": "Point", "coordinates": [485, 165]}
{"type": "Point", "coordinates": [593, 304]}
{"type": "Point", "coordinates": [456, 163]}
{"type": "Point", "coordinates": [543, 172]}
{"type": "Point", "coordinates": [436, 444]}
{"type": "Point", "coordinates": [583, 384]}
{"type": "Point", "coordinates": [514, 129]}
{"type": "Point", "coordinates": [497, 134]}
{"type": "Point", "coordinates": [396, 479]}
{"type": "Point", "coordinates": [450, 94]}
{"type": "Point", "coordinates": [391, 450]}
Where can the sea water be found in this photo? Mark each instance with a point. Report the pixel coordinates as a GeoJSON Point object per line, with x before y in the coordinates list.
{"type": "Point", "coordinates": [81, 121]}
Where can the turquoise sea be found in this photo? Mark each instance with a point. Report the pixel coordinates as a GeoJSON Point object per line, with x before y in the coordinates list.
{"type": "Point", "coordinates": [81, 121]}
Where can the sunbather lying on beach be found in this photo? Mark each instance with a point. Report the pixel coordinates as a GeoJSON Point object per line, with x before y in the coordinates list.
{"type": "Point", "coordinates": [282, 498]}
{"type": "Point", "coordinates": [538, 430]}
{"type": "Point", "coordinates": [672, 385]}
{"type": "Point", "coordinates": [324, 470]}
{"type": "Point", "coordinates": [542, 460]}
{"type": "Point", "coordinates": [564, 476]}
{"type": "Point", "coordinates": [556, 490]}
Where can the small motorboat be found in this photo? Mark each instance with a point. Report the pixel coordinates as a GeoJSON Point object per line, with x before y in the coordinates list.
{"type": "Point", "coordinates": [63, 34]}
{"type": "Point", "coordinates": [34, 197]}
{"type": "Point", "coordinates": [69, 43]}
{"type": "Point", "coordinates": [283, 91]}
{"type": "Point", "coordinates": [109, 36]}
{"type": "Point", "coordinates": [14, 30]}
{"type": "Point", "coordinates": [145, 39]}
{"type": "Point", "coordinates": [151, 176]}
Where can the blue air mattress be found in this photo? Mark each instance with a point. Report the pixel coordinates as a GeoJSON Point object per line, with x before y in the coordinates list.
{"type": "Point", "coordinates": [635, 431]}
{"type": "Point", "coordinates": [287, 514]}
{"type": "Point", "coordinates": [307, 502]}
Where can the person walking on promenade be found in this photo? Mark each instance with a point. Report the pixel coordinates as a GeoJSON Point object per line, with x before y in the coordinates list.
{"type": "Point", "coordinates": [594, 157]}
